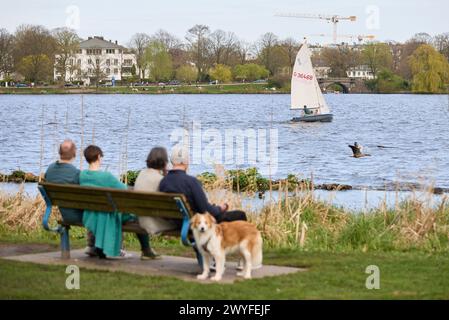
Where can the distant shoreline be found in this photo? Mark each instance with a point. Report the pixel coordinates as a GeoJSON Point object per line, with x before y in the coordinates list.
{"type": "Point", "coordinates": [168, 90]}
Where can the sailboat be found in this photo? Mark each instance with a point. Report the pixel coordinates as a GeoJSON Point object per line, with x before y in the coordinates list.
{"type": "Point", "coordinates": [305, 91]}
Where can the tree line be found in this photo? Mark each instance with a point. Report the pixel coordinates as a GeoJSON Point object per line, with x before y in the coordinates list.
{"type": "Point", "coordinates": [420, 64]}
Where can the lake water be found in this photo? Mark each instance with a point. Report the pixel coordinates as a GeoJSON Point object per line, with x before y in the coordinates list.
{"type": "Point", "coordinates": [416, 127]}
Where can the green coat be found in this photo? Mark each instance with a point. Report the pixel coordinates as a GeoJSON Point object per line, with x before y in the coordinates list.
{"type": "Point", "coordinates": [106, 226]}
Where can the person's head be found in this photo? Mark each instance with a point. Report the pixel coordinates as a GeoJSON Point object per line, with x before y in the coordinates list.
{"type": "Point", "coordinates": [67, 151]}
{"type": "Point", "coordinates": [157, 158]}
{"type": "Point", "coordinates": [180, 157]}
{"type": "Point", "coordinates": [93, 154]}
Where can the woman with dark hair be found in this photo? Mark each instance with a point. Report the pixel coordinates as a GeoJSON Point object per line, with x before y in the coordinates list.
{"type": "Point", "coordinates": [107, 226]}
{"type": "Point", "coordinates": [148, 181]}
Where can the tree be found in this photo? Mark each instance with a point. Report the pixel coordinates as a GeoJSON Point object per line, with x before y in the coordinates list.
{"type": "Point", "coordinates": [169, 41]}
{"type": "Point", "coordinates": [387, 82]}
{"type": "Point", "coordinates": [35, 67]}
{"type": "Point", "coordinates": [6, 52]}
{"type": "Point", "coordinates": [67, 45]}
{"type": "Point", "coordinates": [221, 73]}
{"type": "Point", "coordinates": [223, 45]}
{"type": "Point", "coordinates": [187, 73]}
{"type": "Point", "coordinates": [291, 48]}
{"type": "Point", "coordinates": [158, 61]}
{"type": "Point", "coordinates": [243, 50]}
{"type": "Point", "coordinates": [250, 72]}
{"type": "Point", "coordinates": [441, 42]}
{"type": "Point", "coordinates": [405, 51]}
{"type": "Point", "coordinates": [34, 42]}
{"type": "Point", "coordinates": [265, 48]}
{"type": "Point", "coordinates": [422, 37]}
{"type": "Point", "coordinates": [339, 59]}
{"type": "Point", "coordinates": [97, 70]}
{"type": "Point", "coordinates": [430, 70]}
{"type": "Point", "coordinates": [139, 42]}
{"type": "Point", "coordinates": [377, 56]}
{"type": "Point", "coordinates": [199, 48]}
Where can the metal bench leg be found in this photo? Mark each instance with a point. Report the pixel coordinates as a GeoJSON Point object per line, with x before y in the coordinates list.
{"type": "Point", "coordinates": [199, 257]}
{"type": "Point", "coordinates": [65, 243]}
{"type": "Point", "coordinates": [185, 231]}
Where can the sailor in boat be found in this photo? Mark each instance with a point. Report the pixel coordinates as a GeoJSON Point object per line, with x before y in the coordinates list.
{"type": "Point", "coordinates": [307, 111]}
{"type": "Point", "coordinates": [357, 151]}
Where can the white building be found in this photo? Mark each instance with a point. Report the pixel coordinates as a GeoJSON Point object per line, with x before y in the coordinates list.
{"type": "Point", "coordinates": [322, 72]}
{"type": "Point", "coordinates": [99, 58]}
{"type": "Point", "coordinates": [360, 72]}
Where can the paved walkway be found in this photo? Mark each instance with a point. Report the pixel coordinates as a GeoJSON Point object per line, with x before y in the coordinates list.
{"type": "Point", "coordinates": [179, 267]}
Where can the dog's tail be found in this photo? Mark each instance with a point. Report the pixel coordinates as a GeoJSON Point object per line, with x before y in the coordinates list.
{"type": "Point", "coordinates": [256, 254]}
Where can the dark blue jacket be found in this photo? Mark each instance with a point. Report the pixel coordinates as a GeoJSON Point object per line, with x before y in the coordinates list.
{"type": "Point", "coordinates": [178, 181]}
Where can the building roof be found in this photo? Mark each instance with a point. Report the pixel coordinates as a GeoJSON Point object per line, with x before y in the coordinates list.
{"type": "Point", "coordinates": [99, 43]}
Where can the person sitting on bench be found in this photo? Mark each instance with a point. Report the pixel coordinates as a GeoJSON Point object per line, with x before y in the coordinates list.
{"type": "Point", "coordinates": [148, 180]}
{"type": "Point", "coordinates": [178, 181]}
{"type": "Point", "coordinates": [64, 172]}
{"type": "Point", "coordinates": [107, 226]}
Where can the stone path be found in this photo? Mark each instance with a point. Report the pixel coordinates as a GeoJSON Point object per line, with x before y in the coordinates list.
{"type": "Point", "coordinates": [179, 267]}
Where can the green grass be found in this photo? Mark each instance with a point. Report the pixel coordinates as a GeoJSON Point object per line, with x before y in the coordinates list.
{"type": "Point", "coordinates": [250, 88]}
{"type": "Point", "coordinates": [330, 276]}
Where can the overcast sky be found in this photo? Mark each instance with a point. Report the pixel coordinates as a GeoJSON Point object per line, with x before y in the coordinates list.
{"type": "Point", "coordinates": [119, 20]}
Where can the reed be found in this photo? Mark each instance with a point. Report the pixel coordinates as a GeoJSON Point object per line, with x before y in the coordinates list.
{"type": "Point", "coordinates": [299, 220]}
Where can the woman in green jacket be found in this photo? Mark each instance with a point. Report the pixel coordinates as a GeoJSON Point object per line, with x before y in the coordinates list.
{"type": "Point", "coordinates": [107, 226]}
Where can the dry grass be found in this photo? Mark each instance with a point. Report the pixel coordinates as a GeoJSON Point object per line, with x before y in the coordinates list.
{"type": "Point", "coordinates": [298, 220]}
{"type": "Point", "coordinates": [21, 212]}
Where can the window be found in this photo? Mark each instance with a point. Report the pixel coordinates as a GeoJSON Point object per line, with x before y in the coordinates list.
{"type": "Point", "coordinates": [97, 62]}
{"type": "Point", "coordinates": [115, 71]}
{"type": "Point", "coordinates": [108, 71]}
{"type": "Point", "coordinates": [108, 62]}
{"type": "Point", "coordinates": [128, 62]}
{"type": "Point", "coordinates": [79, 62]}
{"type": "Point", "coordinates": [79, 51]}
{"type": "Point", "coordinates": [110, 51]}
{"type": "Point", "coordinates": [89, 61]}
{"type": "Point", "coordinates": [90, 71]}
{"type": "Point", "coordinates": [94, 51]}
{"type": "Point", "coordinates": [115, 62]}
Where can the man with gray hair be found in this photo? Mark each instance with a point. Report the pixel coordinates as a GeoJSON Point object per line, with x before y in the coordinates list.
{"type": "Point", "coordinates": [64, 172]}
{"type": "Point", "coordinates": [178, 181]}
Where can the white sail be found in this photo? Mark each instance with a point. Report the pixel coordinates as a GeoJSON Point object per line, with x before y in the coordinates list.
{"type": "Point", "coordinates": [305, 89]}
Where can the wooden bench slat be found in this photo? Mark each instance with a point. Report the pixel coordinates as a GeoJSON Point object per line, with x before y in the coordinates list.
{"type": "Point", "coordinates": [82, 205]}
{"type": "Point", "coordinates": [157, 213]}
{"type": "Point", "coordinates": [119, 201]}
{"type": "Point", "coordinates": [131, 194]}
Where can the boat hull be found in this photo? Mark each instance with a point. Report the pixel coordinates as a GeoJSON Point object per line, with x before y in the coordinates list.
{"type": "Point", "coordinates": [314, 118]}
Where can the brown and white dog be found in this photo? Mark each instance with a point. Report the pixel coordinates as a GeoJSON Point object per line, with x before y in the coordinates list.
{"type": "Point", "coordinates": [217, 240]}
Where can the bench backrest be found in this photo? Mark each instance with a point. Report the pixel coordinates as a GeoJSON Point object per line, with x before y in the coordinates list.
{"type": "Point", "coordinates": [154, 204]}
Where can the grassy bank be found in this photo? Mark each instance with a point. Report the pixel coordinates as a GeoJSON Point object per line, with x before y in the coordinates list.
{"type": "Point", "coordinates": [330, 276]}
{"type": "Point", "coordinates": [295, 221]}
{"type": "Point", "coordinates": [409, 245]}
{"type": "Point", "coordinates": [251, 88]}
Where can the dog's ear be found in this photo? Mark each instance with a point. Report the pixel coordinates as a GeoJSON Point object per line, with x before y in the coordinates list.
{"type": "Point", "coordinates": [194, 221]}
{"type": "Point", "coordinates": [211, 218]}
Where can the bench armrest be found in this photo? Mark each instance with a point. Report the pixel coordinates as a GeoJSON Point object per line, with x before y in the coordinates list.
{"type": "Point", "coordinates": [48, 210]}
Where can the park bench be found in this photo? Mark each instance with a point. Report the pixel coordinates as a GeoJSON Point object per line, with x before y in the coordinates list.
{"type": "Point", "coordinates": [150, 204]}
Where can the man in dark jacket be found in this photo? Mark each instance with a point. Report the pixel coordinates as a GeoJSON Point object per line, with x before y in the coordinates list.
{"type": "Point", "coordinates": [178, 181]}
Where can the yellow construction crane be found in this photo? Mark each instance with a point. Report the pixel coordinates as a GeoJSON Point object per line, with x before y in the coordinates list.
{"type": "Point", "coordinates": [335, 19]}
{"type": "Point", "coordinates": [359, 37]}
